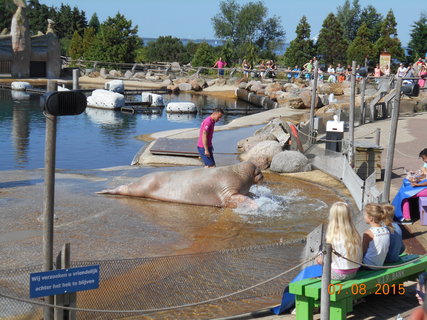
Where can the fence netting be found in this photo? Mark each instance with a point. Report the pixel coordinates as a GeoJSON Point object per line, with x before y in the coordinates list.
{"type": "Point", "coordinates": [162, 282]}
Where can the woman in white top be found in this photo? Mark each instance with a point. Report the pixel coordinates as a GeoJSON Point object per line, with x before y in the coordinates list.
{"type": "Point", "coordinates": [345, 241]}
{"type": "Point", "coordinates": [376, 240]}
{"type": "Point", "coordinates": [332, 77]}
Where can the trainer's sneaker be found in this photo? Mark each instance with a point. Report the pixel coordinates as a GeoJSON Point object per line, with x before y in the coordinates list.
{"type": "Point", "coordinates": [405, 221]}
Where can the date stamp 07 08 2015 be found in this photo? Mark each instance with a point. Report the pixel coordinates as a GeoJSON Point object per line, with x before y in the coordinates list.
{"type": "Point", "coordinates": [380, 289]}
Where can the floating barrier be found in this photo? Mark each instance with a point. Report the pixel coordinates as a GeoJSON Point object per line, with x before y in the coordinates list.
{"type": "Point", "coordinates": [115, 86]}
{"type": "Point", "coordinates": [105, 99]}
{"type": "Point", "coordinates": [181, 107]}
{"type": "Point", "coordinates": [20, 85]}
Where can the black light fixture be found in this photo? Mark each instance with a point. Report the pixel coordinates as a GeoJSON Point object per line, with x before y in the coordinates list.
{"type": "Point", "coordinates": [410, 89]}
{"type": "Point", "coordinates": [63, 103]}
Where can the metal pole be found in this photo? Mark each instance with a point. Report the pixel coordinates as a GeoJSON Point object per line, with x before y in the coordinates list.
{"type": "Point", "coordinates": [392, 141]}
{"type": "Point", "coordinates": [326, 281]}
{"type": "Point", "coordinates": [49, 194]}
{"type": "Point", "coordinates": [313, 101]}
{"type": "Point", "coordinates": [351, 116]}
{"type": "Point", "coordinates": [378, 137]}
{"type": "Point", "coordinates": [362, 102]}
{"type": "Point", "coordinates": [76, 74]}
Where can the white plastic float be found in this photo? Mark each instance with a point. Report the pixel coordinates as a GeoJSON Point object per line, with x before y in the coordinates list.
{"type": "Point", "coordinates": [115, 86]}
{"type": "Point", "coordinates": [156, 99]}
{"type": "Point", "coordinates": [105, 99]}
{"type": "Point", "coordinates": [20, 85]}
{"type": "Point", "coordinates": [181, 107]}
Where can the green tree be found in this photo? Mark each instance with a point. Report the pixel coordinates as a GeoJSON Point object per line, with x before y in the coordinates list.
{"type": "Point", "coordinates": [418, 43]}
{"type": "Point", "coordinates": [116, 41]}
{"type": "Point", "coordinates": [388, 40]}
{"type": "Point", "coordinates": [7, 9]}
{"type": "Point", "coordinates": [204, 56]}
{"type": "Point", "coordinates": [373, 20]}
{"type": "Point", "coordinates": [68, 20]}
{"type": "Point", "coordinates": [247, 26]}
{"type": "Point", "coordinates": [89, 36]}
{"type": "Point", "coordinates": [37, 15]}
{"type": "Point", "coordinates": [331, 45]}
{"type": "Point", "coordinates": [94, 22]}
{"type": "Point", "coordinates": [361, 47]}
{"type": "Point", "coordinates": [301, 49]}
{"type": "Point", "coordinates": [76, 50]}
{"type": "Point", "coordinates": [165, 49]}
{"type": "Point", "coordinates": [349, 17]}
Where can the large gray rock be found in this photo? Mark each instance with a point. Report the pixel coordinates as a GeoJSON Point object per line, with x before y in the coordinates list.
{"type": "Point", "coordinates": [115, 73]}
{"type": "Point", "coordinates": [128, 74]}
{"type": "Point", "coordinates": [272, 87]}
{"type": "Point", "coordinates": [305, 95]}
{"type": "Point", "coordinates": [289, 161]}
{"type": "Point", "coordinates": [175, 67]}
{"type": "Point", "coordinates": [242, 85]}
{"type": "Point", "coordinates": [185, 87]}
{"type": "Point", "coordinates": [262, 153]}
{"type": "Point", "coordinates": [103, 73]}
{"type": "Point", "coordinates": [247, 144]}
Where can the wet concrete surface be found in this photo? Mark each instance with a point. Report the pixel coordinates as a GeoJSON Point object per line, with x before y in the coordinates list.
{"type": "Point", "coordinates": [111, 227]}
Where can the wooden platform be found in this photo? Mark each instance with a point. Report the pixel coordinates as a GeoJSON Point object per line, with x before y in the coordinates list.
{"type": "Point", "coordinates": [175, 147]}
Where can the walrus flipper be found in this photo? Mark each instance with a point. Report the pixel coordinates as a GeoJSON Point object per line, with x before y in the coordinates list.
{"type": "Point", "coordinates": [240, 200]}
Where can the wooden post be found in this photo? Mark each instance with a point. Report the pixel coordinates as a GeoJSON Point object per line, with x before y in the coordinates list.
{"type": "Point", "coordinates": [392, 141]}
{"type": "Point", "coordinates": [362, 102]}
{"type": "Point", "coordinates": [326, 281]}
{"type": "Point", "coordinates": [76, 75]}
{"type": "Point", "coordinates": [313, 102]}
{"type": "Point", "coordinates": [378, 136]}
{"type": "Point", "coordinates": [63, 261]}
{"type": "Point", "coordinates": [351, 116]}
{"type": "Point", "coordinates": [49, 195]}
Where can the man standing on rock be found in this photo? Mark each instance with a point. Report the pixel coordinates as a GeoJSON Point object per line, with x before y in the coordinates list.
{"type": "Point", "coordinates": [204, 144]}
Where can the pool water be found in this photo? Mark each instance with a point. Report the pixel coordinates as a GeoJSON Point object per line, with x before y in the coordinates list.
{"type": "Point", "coordinates": [95, 139]}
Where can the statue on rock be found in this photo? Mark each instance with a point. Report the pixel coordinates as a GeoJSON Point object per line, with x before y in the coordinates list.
{"type": "Point", "coordinates": [21, 42]}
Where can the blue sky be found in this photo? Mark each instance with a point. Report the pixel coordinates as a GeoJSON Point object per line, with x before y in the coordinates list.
{"type": "Point", "coordinates": [192, 18]}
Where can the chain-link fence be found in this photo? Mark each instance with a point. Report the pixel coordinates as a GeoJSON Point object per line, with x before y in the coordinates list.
{"type": "Point", "coordinates": [161, 283]}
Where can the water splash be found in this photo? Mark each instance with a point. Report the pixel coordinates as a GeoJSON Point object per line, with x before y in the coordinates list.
{"type": "Point", "coordinates": [288, 204]}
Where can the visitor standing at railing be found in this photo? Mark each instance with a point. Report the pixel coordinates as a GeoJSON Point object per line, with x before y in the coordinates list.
{"type": "Point", "coordinates": [345, 240]}
{"type": "Point", "coordinates": [246, 68]}
{"type": "Point", "coordinates": [220, 64]}
{"type": "Point", "coordinates": [423, 75]}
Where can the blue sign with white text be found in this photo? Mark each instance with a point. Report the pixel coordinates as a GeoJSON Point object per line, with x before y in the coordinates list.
{"type": "Point", "coordinates": [62, 281]}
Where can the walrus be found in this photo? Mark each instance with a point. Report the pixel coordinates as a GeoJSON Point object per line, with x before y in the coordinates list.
{"type": "Point", "coordinates": [226, 186]}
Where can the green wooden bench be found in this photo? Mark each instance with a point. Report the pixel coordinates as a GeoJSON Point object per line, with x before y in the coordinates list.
{"type": "Point", "coordinates": [342, 293]}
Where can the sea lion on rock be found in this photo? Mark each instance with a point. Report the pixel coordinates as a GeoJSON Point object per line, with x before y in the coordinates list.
{"type": "Point", "coordinates": [219, 187]}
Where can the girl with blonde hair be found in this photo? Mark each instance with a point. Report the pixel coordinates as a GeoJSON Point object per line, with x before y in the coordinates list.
{"type": "Point", "coordinates": [376, 240]}
{"type": "Point", "coordinates": [345, 240]}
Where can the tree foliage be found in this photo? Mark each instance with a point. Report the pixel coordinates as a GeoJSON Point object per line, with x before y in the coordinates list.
{"type": "Point", "coordinates": [204, 56]}
{"type": "Point", "coordinates": [373, 20]}
{"type": "Point", "coordinates": [418, 43]}
{"type": "Point", "coordinates": [301, 49]}
{"type": "Point", "coordinates": [361, 47]}
{"type": "Point", "coordinates": [388, 40]}
{"type": "Point", "coordinates": [165, 48]}
{"type": "Point", "coordinates": [37, 15]}
{"type": "Point", "coordinates": [247, 27]}
{"type": "Point", "coordinates": [75, 50]}
{"type": "Point", "coordinates": [331, 45]}
{"type": "Point", "coordinates": [349, 17]}
{"type": "Point", "coordinates": [7, 9]}
{"type": "Point", "coordinates": [68, 20]}
{"type": "Point", "coordinates": [116, 41]}
{"type": "Point", "coordinates": [94, 22]}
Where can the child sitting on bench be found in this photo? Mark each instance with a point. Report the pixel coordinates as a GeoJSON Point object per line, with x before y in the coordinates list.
{"type": "Point", "coordinates": [345, 240]}
{"type": "Point", "coordinates": [396, 244]}
{"type": "Point", "coordinates": [376, 240]}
